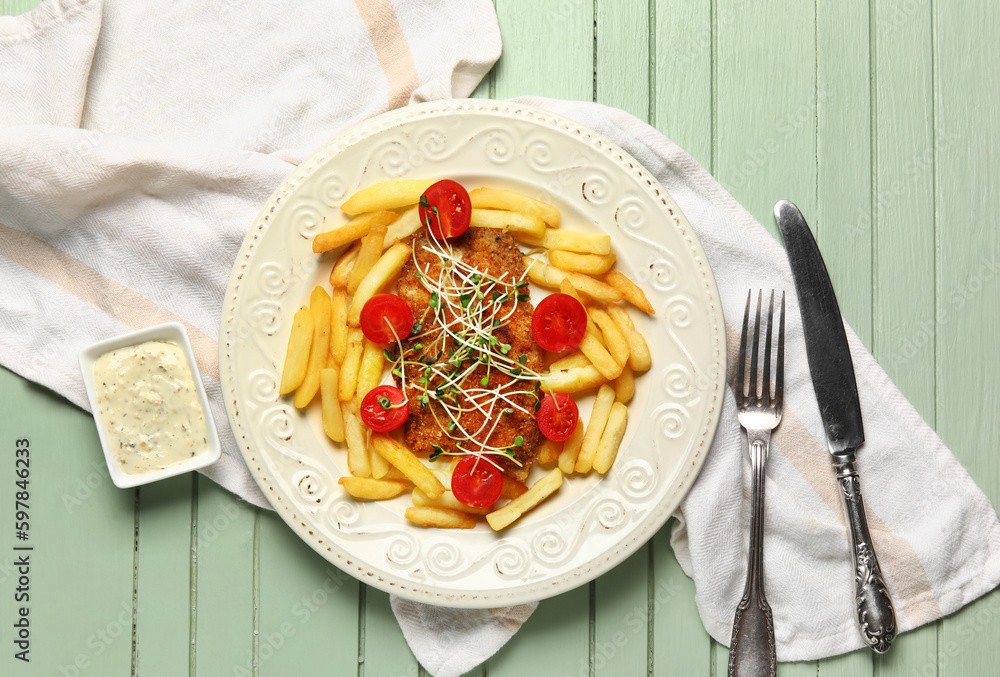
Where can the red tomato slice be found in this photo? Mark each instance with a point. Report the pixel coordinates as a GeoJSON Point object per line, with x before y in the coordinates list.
{"type": "Point", "coordinates": [445, 208]}
{"type": "Point", "coordinates": [559, 323]}
{"type": "Point", "coordinates": [383, 311]}
{"type": "Point", "coordinates": [384, 408]}
{"type": "Point", "coordinates": [557, 417]}
{"type": "Point", "coordinates": [476, 482]}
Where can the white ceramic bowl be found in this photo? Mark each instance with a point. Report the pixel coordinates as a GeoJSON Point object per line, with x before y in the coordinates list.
{"type": "Point", "coordinates": [171, 331]}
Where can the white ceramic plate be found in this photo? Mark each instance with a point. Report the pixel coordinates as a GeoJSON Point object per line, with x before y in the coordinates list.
{"type": "Point", "coordinates": [593, 522]}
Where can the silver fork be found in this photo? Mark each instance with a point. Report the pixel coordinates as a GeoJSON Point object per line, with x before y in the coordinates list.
{"type": "Point", "coordinates": [759, 401]}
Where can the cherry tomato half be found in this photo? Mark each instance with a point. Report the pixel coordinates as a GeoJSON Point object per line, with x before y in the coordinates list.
{"type": "Point", "coordinates": [383, 311]}
{"type": "Point", "coordinates": [384, 408]}
{"type": "Point", "coordinates": [445, 208]}
{"type": "Point", "coordinates": [559, 323]}
{"type": "Point", "coordinates": [557, 417]}
{"type": "Point", "coordinates": [476, 482]}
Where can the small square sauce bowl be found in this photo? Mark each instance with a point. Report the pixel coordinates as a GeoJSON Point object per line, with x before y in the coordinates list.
{"type": "Point", "coordinates": [150, 405]}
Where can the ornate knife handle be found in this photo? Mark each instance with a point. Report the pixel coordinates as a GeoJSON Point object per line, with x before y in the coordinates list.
{"type": "Point", "coordinates": [752, 650]}
{"type": "Point", "coordinates": [873, 605]}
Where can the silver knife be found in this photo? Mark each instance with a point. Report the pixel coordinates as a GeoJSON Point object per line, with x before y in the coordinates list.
{"type": "Point", "coordinates": [837, 394]}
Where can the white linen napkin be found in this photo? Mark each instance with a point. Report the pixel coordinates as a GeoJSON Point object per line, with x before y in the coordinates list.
{"type": "Point", "coordinates": [142, 139]}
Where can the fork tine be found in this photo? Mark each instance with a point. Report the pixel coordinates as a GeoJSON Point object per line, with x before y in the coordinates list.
{"type": "Point", "coordinates": [742, 364]}
{"type": "Point", "coordinates": [754, 388]}
{"type": "Point", "coordinates": [779, 376]}
{"type": "Point", "coordinates": [766, 392]}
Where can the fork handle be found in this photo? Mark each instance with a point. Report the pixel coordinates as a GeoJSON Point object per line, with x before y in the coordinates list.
{"type": "Point", "coordinates": [872, 604]}
{"type": "Point", "coordinates": [751, 650]}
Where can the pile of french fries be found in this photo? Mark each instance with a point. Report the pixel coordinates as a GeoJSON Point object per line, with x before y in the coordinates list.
{"type": "Point", "coordinates": [328, 356]}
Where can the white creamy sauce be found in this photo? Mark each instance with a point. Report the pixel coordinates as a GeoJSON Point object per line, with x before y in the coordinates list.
{"type": "Point", "coordinates": [150, 407]}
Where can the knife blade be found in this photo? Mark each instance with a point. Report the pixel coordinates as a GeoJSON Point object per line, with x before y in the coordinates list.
{"type": "Point", "coordinates": [832, 372]}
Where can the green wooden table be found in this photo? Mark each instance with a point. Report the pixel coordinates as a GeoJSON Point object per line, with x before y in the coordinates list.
{"type": "Point", "coordinates": [880, 119]}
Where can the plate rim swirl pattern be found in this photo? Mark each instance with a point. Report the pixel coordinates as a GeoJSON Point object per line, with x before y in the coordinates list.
{"type": "Point", "coordinates": [624, 509]}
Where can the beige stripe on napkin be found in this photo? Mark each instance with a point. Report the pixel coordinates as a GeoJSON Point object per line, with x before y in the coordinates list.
{"type": "Point", "coordinates": [116, 300]}
{"type": "Point", "coordinates": [914, 596]}
{"type": "Point", "coordinates": [391, 48]}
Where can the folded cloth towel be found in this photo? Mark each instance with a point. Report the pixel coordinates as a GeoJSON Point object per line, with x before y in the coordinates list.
{"type": "Point", "coordinates": [132, 168]}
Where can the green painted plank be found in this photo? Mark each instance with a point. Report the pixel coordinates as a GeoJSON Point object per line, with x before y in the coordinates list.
{"type": "Point", "coordinates": [621, 618]}
{"type": "Point", "coordinates": [553, 641]}
{"type": "Point", "coordinates": [682, 82]}
{"type": "Point", "coordinates": [680, 645]}
{"type": "Point", "coordinates": [225, 565]}
{"type": "Point", "coordinates": [765, 136]}
{"type": "Point", "coordinates": [555, 49]}
{"type": "Point", "coordinates": [968, 286]}
{"type": "Point", "coordinates": [308, 608]}
{"type": "Point", "coordinates": [844, 156]}
{"type": "Point", "coordinates": [913, 654]}
{"type": "Point", "coordinates": [798, 669]}
{"type": "Point", "coordinates": [385, 649]}
{"type": "Point", "coordinates": [164, 576]}
{"type": "Point", "coordinates": [855, 664]}
{"type": "Point", "coordinates": [80, 529]}
{"type": "Point", "coordinates": [622, 56]}
{"type": "Point", "coordinates": [903, 211]}
{"type": "Point", "coordinates": [12, 7]}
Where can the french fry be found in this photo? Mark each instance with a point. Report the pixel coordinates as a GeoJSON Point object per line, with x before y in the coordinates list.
{"type": "Point", "coordinates": [625, 385]}
{"type": "Point", "coordinates": [406, 225]}
{"type": "Point", "coordinates": [351, 365]}
{"type": "Point", "coordinates": [574, 360]}
{"type": "Point", "coordinates": [357, 451]}
{"type": "Point", "coordinates": [600, 357]}
{"type": "Point", "coordinates": [571, 449]}
{"type": "Point", "coordinates": [338, 326]}
{"type": "Point", "coordinates": [319, 307]}
{"type": "Point", "coordinates": [512, 488]}
{"type": "Point", "coordinates": [333, 416]}
{"type": "Point", "coordinates": [590, 264]}
{"type": "Point", "coordinates": [639, 357]}
{"type": "Point", "coordinates": [574, 380]}
{"type": "Point", "coordinates": [447, 500]}
{"type": "Point", "coordinates": [341, 271]}
{"type": "Point", "coordinates": [548, 452]}
{"type": "Point", "coordinates": [595, 428]}
{"type": "Point", "coordinates": [381, 467]}
{"type": "Point", "coordinates": [390, 194]}
{"type": "Point", "coordinates": [368, 489]}
{"type": "Point", "coordinates": [352, 230]}
{"type": "Point", "coordinates": [370, 369]}
{"type": "Point", "coordinates": [571, 240]}
{"type": "Point", "coordinates": [442, 518]}
{"type": "Point", "coordinates": [297, 353]}
{"type": "Point", "coordinates": [611, 438]}
{"type": "Point", "coordinates": [538, 492]}
{"type": "Point", "coordinates": [551, 277]}
{"type": "Point", "coordinates": [515, 222]}
{"type": "Point", "coordinates": [497, 198]}
{"type": "Point", "coordinates": [614, 338]}
{"type": "Point", "coordinates": [371, 250]}
{"type": "Point", "coordinates": [630, 291]}
{"type": "Point", "coordinates": [384, 270]}
{"type": "Point", "coordinates": [408, 464]}
{"type": "Point", "coordinates": [566, 287]}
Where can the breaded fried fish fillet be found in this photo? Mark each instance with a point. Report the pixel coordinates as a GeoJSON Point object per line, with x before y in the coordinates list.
{"type": "Point", "coordinates": [467, 370]}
